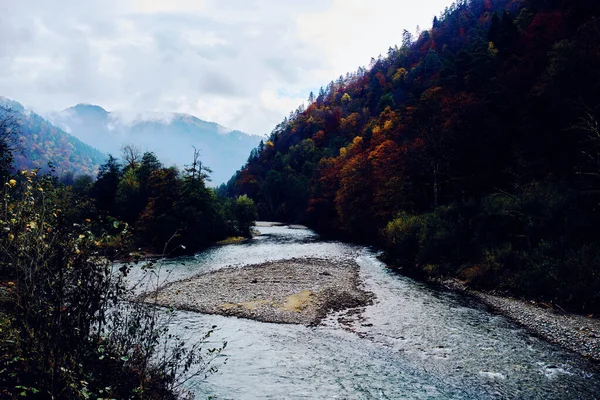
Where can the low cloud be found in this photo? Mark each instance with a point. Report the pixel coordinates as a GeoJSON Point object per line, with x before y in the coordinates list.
{"type": "Point", "coordinates": [244, 64]}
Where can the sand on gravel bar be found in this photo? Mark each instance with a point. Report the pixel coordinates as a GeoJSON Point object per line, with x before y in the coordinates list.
{"type": "Point", "coordinates": [296, 291]}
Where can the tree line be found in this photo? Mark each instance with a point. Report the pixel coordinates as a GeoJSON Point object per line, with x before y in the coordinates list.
{"type": "Point", "coordinates": [171, 211]}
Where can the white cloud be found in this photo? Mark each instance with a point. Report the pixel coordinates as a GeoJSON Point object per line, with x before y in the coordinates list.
{"type": "Point", "coordinates": [244, 64]}
{"type": "Point", "coordinates": [350, 32]}
{"type": "Point", "coordinates": [163, 6]}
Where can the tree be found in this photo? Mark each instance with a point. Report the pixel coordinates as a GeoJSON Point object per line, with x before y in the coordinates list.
{"type": "Point", "coordinates": [83, 185]}
{"type": "Point", "coordinates": [67, 178]}
{"type": "Point", "coordinates": [9, 128]}
{"type": "Point", "coordinates": [158, 224]}
{"type": "Point", "coordinates": [354, 193]}
{"type": "Point", "coordinates": [149, 164]}
{"type": "Point", "coordinates": [407, 39]}
{"type": "Point", "coordinates": [128, 197]}
{"type": "Point", "coordinates": [106, 185]}
{"type": "Point", "coordinates": [245, 214]}
{"type": "Point", "coordinates": [131, 155]}
{"type": "Point", "coordinates": [346, 99]}
{"type": "Point", "coordinates": [321, 96]}
{"type": "Point", "coordinates": [196, 171]}
{"type": "Point", "coordinates": [589, 164]}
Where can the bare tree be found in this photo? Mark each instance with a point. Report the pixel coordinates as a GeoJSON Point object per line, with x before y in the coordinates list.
{"type": "Point", "coordinates": [131, 154]}
{"type": "Point", "coordinates": [196, 170]}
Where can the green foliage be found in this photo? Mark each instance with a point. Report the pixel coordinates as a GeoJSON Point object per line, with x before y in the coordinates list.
{"type": "Point", "coordinates": [70, 327]}
{"type": "Point", "coordinates": [387, 100]}
{"type": "Point", "coordinates": [534, 243]}
{"type": "Point", "coordinates": [171, 212]}
{"type": "Point", "coordinates": [245, 214]}
{"type": "Point", "coordinates": [128, 196]}
{"type": "Point", "coordinates": [106, 186]}
{"type": "Point", "coordinates": [422, 241]}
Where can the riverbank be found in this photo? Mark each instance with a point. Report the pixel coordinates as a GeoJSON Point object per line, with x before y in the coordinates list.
{"type": "Point", "coordinates": [294, 291]}
{"type": "Point", "coordinates": [577, 333]}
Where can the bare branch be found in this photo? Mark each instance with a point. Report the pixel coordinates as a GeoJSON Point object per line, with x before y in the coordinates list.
{"type": "Point", "coordinates": [131, 154]}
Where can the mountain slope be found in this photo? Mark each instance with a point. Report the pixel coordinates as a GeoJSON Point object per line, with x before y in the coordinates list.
{"type": "Point", "coordinates": [40, 143]}
{"type": "Point", "coordinates": [170, 136]}
{"type": "Point", "coordinates": [472, 151]}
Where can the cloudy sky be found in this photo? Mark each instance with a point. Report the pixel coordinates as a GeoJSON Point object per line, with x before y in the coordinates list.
{"type": "Point", "coordinates": [242, 63]}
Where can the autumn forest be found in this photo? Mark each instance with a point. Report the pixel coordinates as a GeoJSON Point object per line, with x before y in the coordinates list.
{"type": "Point", "coordinates": [470, 151]}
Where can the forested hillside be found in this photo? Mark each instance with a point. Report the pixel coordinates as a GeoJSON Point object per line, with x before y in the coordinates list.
{"type": "Point", "coordinates": [39, 143]}
{"type": "Point", "coordinates": [470, 151]}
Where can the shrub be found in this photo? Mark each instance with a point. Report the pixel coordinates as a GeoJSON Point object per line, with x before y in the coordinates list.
{"type": "Point", "coordinates": [431, 239]}
{"type": "Point", "coordinates": [70, 326]}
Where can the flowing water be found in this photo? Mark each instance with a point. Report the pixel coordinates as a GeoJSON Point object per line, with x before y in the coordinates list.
{"type": "Point", "coordinates": [415, 342]}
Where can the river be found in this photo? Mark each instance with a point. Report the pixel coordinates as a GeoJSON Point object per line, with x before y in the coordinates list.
{"type": "Point", "coordinates": [415, 342]}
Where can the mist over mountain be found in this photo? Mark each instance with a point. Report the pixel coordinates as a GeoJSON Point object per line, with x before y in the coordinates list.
{"type": "Point", "coordinates": [171, 136]}
{"type": "Point", "coordinates": [39, 142]}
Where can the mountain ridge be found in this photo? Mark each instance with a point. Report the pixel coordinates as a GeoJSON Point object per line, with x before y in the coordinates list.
{"type": "Point", "coordinates": [41, 143]}
{"type": "Point", "coordinates": [168, 134]}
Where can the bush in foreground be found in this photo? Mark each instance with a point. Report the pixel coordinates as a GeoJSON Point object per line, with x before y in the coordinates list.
{"type": "Point", "coordinates": [70, 328]}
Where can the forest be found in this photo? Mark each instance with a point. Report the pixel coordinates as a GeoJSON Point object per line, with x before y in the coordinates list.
{"type": "Point", "coordinates": [71, 325]}
{"type": "Point", "coordinates": [471, 152]}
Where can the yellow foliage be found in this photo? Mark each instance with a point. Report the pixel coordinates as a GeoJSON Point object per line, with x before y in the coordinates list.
{"type": "Point", "coordinates": [399, 75]}
{"type": "Point", "coordinates": [492, 49]}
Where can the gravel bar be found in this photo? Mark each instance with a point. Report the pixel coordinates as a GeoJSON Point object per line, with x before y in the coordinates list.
{"type": "Point", "coordinates": [294, 291]}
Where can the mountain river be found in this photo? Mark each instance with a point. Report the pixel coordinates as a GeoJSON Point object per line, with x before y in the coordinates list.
{"type": "Point", "coordinates": [415, 341]}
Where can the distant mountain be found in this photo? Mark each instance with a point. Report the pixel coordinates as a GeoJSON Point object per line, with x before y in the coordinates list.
{"type": "Point", "coordinates": [40, 143]}
{"type": "Point", "coordinates": [169, 135]}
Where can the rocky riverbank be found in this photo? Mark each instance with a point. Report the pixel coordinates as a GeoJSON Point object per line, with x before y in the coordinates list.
{"type": "Point", "coordinates": [574, 332]}
{"type": "Point", "coordinates": [297, 291]}
{"type": "Point", "coordinates": [577, 333]}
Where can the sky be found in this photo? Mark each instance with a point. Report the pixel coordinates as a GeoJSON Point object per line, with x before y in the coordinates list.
{"type": "Point", "coordinates": [242, 63]}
